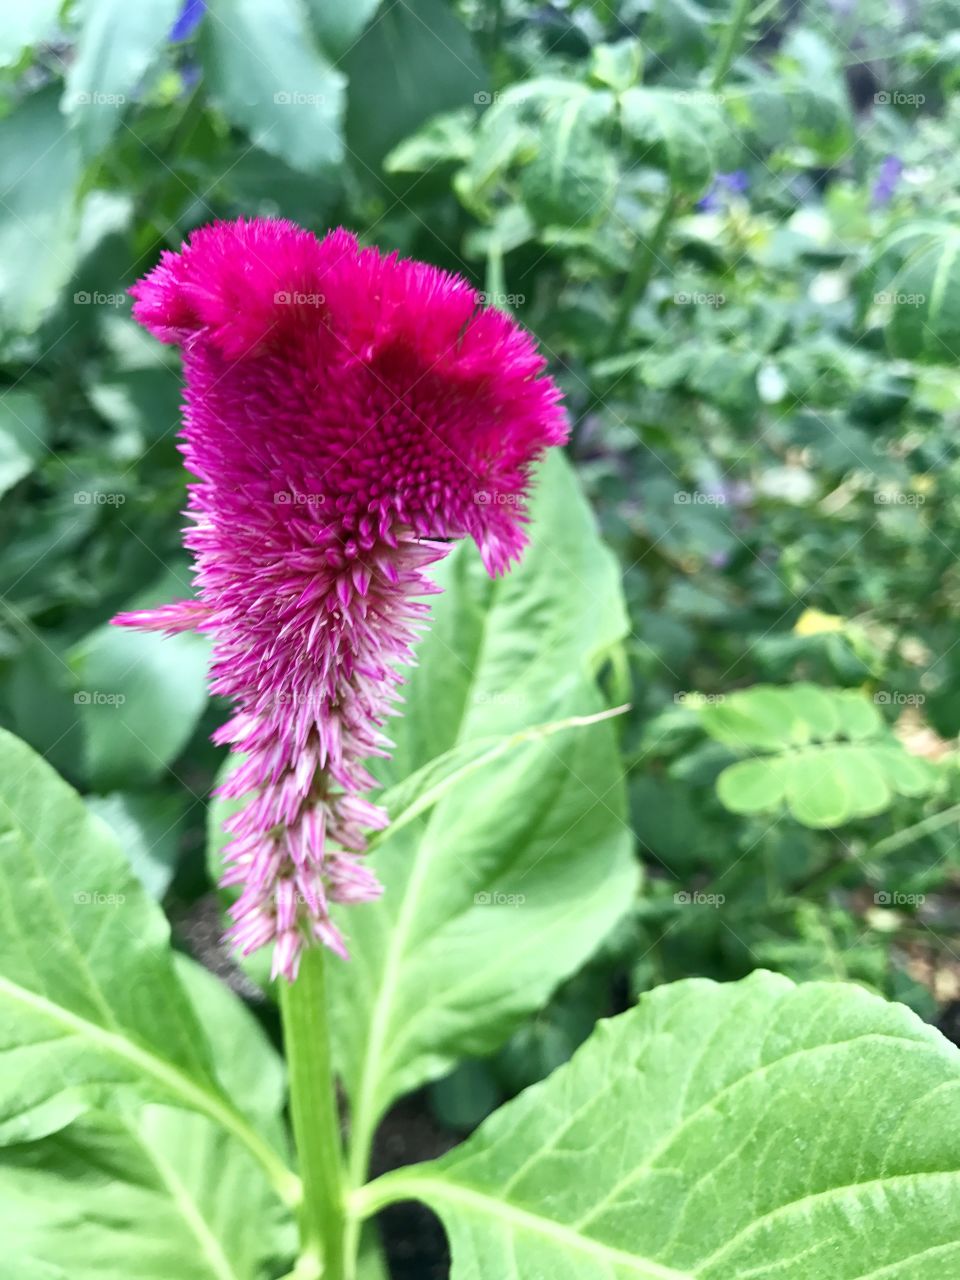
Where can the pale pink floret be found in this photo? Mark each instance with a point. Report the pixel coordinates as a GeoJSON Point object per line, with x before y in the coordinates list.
{"type": "Point", "coordinates": [345, 414]}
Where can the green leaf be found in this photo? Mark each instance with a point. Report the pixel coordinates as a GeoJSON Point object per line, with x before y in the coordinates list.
{"type": "Point", "coordinates": [263, 69]}
{"type": "Point", "coordinates": [39, 172]}
{"type": "Point", "coordinates": [676, 131]}
{"type": "Point", "coordinates": [339, 25]}
{"type": "Point", "coordinates": [572, 177]}
{"type": "Point", "coordinates": [148, 827]}
{"type": "Point", "coordinates": [419, 58]}
{"type": "Point", "coordinates": [23, 436]}
{"type": "Point", "coordinates": [90, 1007]}
{"type": "Point", "coordinates": [448, 136]}
{"type": "Point", "coordinates": [116, 44]}
{"type": "Point", "coordinates": [848, 766]}
{"type": "Point", "coordinates": [192, 1201]}
{"type": "Point", "coordinates": [513, 876]}
{"type": "Point", "coordinates": [921, 304]}
{"type": "Point", "coordinates": [139, 698]}
{"type": "Point", "coordinates": [753, 1129]}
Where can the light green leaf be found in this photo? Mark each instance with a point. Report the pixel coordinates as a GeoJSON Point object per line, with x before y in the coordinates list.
{"type": "Point", "coordinates": [89, 1002]}
{"type": "Point", "coordinates": [509, 881]}
{"type": "Point", "coordinates": [39, 173]}
{"type": "Point", "coordinates": [192, 1201]}
{"type": "Point", "coordinates": [116, 44]}
{"type": "Point", "coordinates": [756, 1129]}
{"type": "Point", "coordinates": [849, 764]}
{"type": "Point", "coordinates": [264, 70]}
{"type": "Point", "coordinates": [922, 304]}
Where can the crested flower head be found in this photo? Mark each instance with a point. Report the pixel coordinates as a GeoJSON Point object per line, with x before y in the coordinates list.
{"type": "Point", "coordinates": [346, 415]}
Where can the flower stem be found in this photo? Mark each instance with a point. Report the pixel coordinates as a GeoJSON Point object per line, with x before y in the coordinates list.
{"type": "Point", "coordinates": [316, 1122]}
{"type": "Point", "coordinates": [732, 39]}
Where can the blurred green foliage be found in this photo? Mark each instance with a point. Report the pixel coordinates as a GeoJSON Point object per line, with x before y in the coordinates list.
{"type": "Point", "coordinates": [735, 233]}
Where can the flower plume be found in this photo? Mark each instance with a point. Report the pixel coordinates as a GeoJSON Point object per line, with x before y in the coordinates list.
{"type": "Point", "coordinates": [346, 415]}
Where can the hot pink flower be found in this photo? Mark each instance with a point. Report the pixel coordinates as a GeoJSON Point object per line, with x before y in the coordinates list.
{"type": "Point", "coordinates": [345, 414]}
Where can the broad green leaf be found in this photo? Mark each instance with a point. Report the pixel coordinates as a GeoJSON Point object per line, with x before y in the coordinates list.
{"type": "Point", "coordinates": [512, 877]}
{"type": "Point", "coordinates": [23, 436]}
{"type": "Point", "coordinates": [116, 44]}
{"type": "Point", "coordinates": [419, 58]}
{"type": "Point", "coordinates": [570, 180]}
{"type": "Point", "coordinates": [446, 137]}
{"type": "Point", "coordinates": [39, 173]}
{"type": "Point", "coordinates": [749, 1130]}
{"type": "Point", "coordinates": [139, 698]}
{"type": "Point", "coordinates": [265, 72]}
{"type": "Point", "coordinates": [89, 1001]}
{"type": "Point", "coordinates": [339, 25]}
{"type": "Point", "coordinates": [193, 1202]}
{"type": "Point", "coordinates": [921, 303]}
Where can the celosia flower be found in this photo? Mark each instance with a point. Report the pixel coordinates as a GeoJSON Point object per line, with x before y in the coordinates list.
{"type": "Point", "coordinates": [345, 414]}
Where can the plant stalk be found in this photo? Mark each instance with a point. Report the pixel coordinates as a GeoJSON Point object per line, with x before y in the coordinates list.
{"type": "Point", "coordinates": [316, 1120]}
{"type": "Point", "coordinates": [639, 275]}
{"type": "Point", "coordinates": [732, 40]}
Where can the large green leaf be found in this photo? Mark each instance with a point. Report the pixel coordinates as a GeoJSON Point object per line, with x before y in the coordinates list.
{"type": "Point", "coordinates": [418, 57]}
{"type": "Point", "coordinates": [23, 436]}
{"type": "Point", "coordinates": [757, 1129]}
{"type": "Point", "coordinates": [339, 25]}
{"type": "Point", "coordinates": [192, 1201]}
{"type": "Point", "coordinates": [517, 870]}
{"type": "Point", "coordinates": [89, 1001]}
{"type": "Point", "coordinates": [116, 44]}
{"type": "Point", "coordinates": [922, 303]}
{"type": "Point", "coordinates": [25, 25]}
{"type": "Point", "coordinates": [265, 71]}
{"type": "Point", "coordinates": [39, 172]}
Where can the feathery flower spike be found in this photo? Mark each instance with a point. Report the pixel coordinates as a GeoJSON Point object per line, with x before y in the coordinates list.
{"type": "Point", "coordinates": [346, 413]}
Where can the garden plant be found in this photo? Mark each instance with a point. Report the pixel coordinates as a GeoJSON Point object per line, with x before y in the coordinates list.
{"type": "Point", "coordinates": [479, 658]}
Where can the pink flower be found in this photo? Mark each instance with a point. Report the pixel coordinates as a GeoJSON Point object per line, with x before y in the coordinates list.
{"type": "Point", "coordinates": [346, 414]}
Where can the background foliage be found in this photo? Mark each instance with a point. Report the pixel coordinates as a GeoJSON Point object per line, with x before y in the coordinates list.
{"type": "Point", "coordinates": [735, 234]}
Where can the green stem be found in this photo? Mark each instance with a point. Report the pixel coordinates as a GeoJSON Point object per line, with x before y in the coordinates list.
{"type": "Point", "coordinates": [645, 255]}
{"type": "Point", "coordinates": [732, 39]}
{"type": "Point", "coordinates": [316, 1121]}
